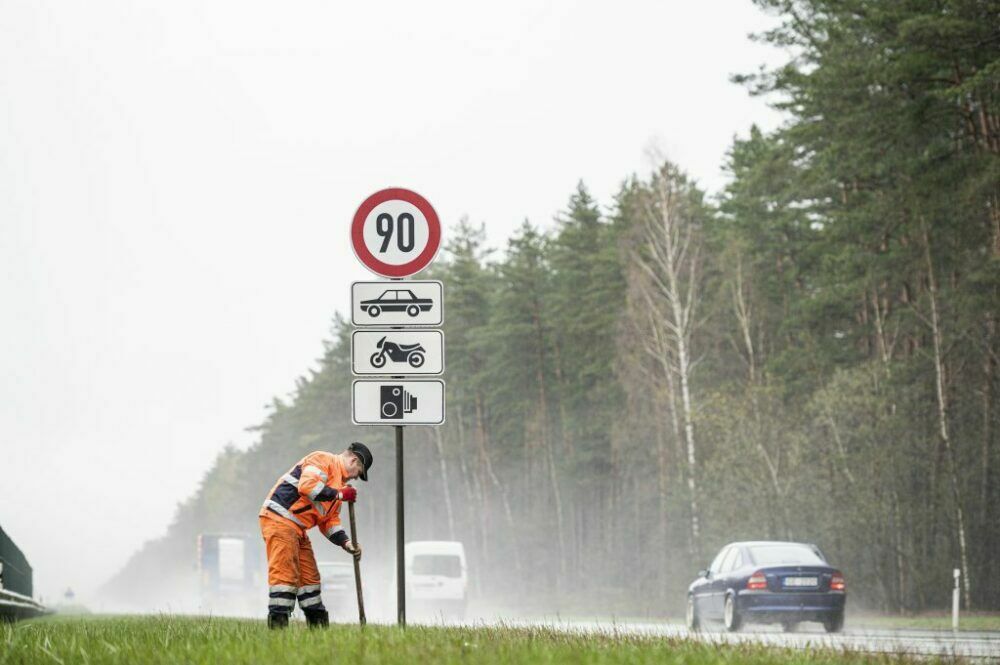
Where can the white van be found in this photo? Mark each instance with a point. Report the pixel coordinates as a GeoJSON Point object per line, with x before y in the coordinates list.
{"type": "Point", "coordinates": [436, 577]}
{"type": "Point", "coordinates": [337, 582]}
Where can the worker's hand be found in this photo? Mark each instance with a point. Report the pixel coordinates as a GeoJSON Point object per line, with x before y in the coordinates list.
{"type": "Point", "coordinates": [353, 549]}
{"type": "Point", "coordinates": [348, 493]}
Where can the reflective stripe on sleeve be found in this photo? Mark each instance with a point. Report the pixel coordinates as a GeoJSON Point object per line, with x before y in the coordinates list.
{"type": "Point", "coordinates": [316, 490]}
{"type": "Point", "coordinates": [284, 512]}
{"type": "Point", "coordinates": [333, 529]}
{"type": "Point", "coordinates": [318, 471]}
{"type": "Point", "coordinates": [290, 479]}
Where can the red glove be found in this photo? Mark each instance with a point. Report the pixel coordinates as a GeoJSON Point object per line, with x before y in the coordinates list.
{"type": "Point", "coordinates": [348, 493]}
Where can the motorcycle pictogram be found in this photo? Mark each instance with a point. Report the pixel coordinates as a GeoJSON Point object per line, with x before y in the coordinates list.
{"type": "Point", "coordinates": [398, 353]}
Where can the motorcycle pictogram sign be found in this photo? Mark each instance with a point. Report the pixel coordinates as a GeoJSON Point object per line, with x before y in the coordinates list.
{"type": "Point", "coordinates": [397, 352]}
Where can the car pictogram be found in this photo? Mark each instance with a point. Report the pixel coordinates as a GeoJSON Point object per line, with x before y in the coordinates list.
{"type": "Point", "coordinates": [396, 300]}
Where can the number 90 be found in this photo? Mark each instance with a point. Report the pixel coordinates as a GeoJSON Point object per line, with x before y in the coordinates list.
{"type": "Point", "coordinates": [403, 226]}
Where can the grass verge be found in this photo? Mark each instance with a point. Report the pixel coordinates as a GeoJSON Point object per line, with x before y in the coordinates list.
{"type": "Point", "coordinates": [939, 621]}
{"type": "Point", "coordinates": [218, 641]}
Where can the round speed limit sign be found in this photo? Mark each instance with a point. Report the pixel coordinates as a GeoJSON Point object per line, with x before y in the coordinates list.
{"type": "Point", "coordinates": [395, 233]}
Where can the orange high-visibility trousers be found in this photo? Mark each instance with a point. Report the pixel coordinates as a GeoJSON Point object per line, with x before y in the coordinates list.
{"type": "Point", "coordinates": [291, 567]}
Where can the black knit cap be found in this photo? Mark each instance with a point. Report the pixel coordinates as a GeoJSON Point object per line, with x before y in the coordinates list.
{"type": "Point", "coordinates": [361, 450]}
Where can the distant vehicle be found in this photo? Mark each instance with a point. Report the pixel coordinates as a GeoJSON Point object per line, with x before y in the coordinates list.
{"type": "Point", "coordinates": [768, 582]}
{"type": "Point", "coordinates": [337, 578]}
{"type": "Point", "coordinates": [437, 577]}
{"type": "Point", "coordinates": [229, 571]}
{"type": "Point", "coordinates": [398, 353]}
{"type": "Point", "coordinates": [396, 300]}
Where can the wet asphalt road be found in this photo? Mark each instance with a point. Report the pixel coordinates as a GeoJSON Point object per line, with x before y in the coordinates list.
{"type": "Point", "coordinates": [979, 646]}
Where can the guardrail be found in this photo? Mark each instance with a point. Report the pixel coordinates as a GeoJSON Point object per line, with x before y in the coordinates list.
{"type": "Point", "coordinates": [15, 571]}
{"type": "Point", "coordinates": [15, 606]}
{"type": "Point", "coordinates": [16, 583]}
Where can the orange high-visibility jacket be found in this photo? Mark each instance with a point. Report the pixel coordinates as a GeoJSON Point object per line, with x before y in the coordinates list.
{"type": "Point", "coordinates": [308, 495]}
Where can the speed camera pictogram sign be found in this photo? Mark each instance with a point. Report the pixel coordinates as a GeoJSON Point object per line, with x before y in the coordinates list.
{"type": "Point", "coordinates": [395, 233]}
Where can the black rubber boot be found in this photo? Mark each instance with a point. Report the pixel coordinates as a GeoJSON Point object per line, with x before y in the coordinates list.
{"type": "Point", "coordinates": [317, 618]}
{"type": "Point", "coordinates": [276, 620]}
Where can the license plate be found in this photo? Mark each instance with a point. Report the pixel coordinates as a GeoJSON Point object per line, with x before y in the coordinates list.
{"type": "Point", "coordinates": [801, 581]}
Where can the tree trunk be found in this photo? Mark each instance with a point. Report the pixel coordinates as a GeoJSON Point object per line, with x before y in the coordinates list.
{"type": "Point", "coordinates": [561, 384]}
{"type": "Point", "coordinates": [942, 412]}
{"type": "Point", "coordinates": [443, 464]}
{"type": "Point", "coordinates": [672, 268]}
{"type": "Point", "coordinates": [744, 318]}
{"type": "Point", "coordinates": [494, 479]}
{"type": "Point", "coordinates": [989, 373]}
{"type": "Point", "coordinates": [546, 443]}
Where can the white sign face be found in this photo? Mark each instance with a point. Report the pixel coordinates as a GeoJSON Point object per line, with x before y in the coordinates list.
{"type": "Point", "coordinates": [395, 231]}
{"type": "Point", "coordinates": [397, 352]}
{"type": "Point", "coordinates": [389, 402]}
{"type": "Point", "coordinates": [397, 303]}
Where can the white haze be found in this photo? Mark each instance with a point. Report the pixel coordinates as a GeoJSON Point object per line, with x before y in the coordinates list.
{"type": "Point", "coordinates": [176, 180]}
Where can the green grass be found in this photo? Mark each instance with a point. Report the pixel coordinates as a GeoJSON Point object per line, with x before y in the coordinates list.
{"type": "Point", "coordinates": [218, 641]}
{"type": "Point", "coordinates": [970, 622]}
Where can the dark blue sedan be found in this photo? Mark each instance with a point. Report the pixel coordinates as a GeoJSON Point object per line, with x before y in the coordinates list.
{"type": "Point", "coordinates": [768, 582]}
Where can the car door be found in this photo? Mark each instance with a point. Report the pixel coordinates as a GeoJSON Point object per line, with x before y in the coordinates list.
{"type": "Point", "coordinates": [720, 581]}
{"type": "Point", "coordinates": [731, 574]}
{"type": "Point", "coordinates": [702, 591]}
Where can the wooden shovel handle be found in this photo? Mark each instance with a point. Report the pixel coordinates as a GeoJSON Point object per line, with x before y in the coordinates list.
{"type": "Point", "coordinates": [357, 565]}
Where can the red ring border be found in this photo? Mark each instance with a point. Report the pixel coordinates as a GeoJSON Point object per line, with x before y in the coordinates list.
{"type": "Point", "coordinates": [387, 269]}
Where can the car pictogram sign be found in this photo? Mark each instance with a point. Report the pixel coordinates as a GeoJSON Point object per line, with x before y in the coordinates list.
{"type": "Point", "coordinates": [395, 233]}
{"type": "Point", "coordinates": [397, 303]}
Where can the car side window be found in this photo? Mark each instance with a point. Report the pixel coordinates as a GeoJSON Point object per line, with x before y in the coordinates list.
{"type": "Point", "coordinates": [409, 295]}
{"type": "Point", "coordinates": [717, 563]}
{"type": "Point", "coordinates": [727, 563]}
{"type": "Point", "coordinates": [737, 561]}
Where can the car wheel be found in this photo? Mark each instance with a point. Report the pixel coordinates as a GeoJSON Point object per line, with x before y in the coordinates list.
{"type": "Point", "coordinates": [374, 311]}
{"type": "Point", "coordinates": [412, 310]}
{"type": "Point", "coordinates": [692, 619]}
{"type": "Point", "coordinates": [416, 360]}
{"type": "Point", "coordinates": [731, 616]}
{"type": "Point", "coordinates": [789, 626]}
{"type": "Point", "coordinates": [835, 623]}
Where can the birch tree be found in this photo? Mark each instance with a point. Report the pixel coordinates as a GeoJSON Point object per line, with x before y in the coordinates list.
{"type": "Point", "coordinates": [668, 254]}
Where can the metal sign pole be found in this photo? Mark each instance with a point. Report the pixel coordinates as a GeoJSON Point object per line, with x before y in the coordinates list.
{"type": "Point", "coordinates": [394, 403]}
{"type": "Point", "coordinates": [400, 561]}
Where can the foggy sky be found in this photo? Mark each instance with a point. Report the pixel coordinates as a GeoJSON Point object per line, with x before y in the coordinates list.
{"type": "Point", "coordinates": [177, 180]}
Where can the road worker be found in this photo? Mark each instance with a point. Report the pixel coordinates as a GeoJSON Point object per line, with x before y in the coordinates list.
{"type": "Point", "coordinates": [309, 495]}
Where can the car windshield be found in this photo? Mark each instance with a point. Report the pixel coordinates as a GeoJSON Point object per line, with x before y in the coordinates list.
{"type": "Point", "coordinates": [778, 553]}
{"type": "Point", "coordinates": [387, 295]}
{"type": "Point", "coordinates": [446, 565]}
